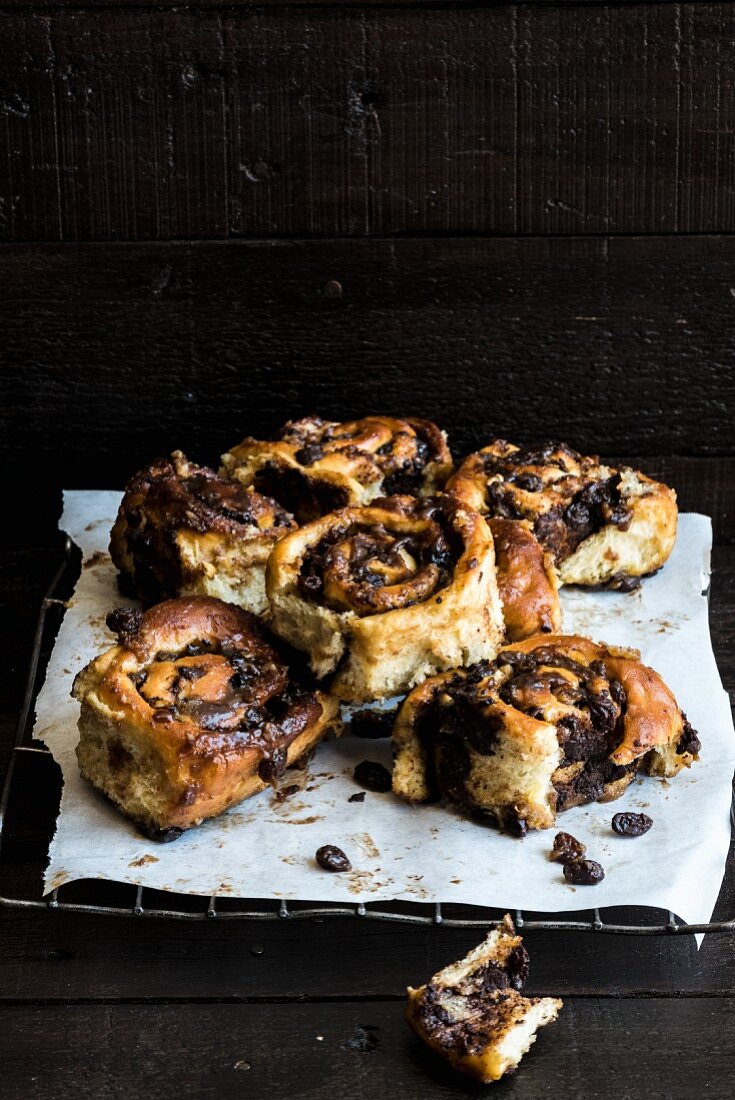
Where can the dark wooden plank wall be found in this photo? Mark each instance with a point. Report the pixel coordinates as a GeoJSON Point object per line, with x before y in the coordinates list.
{"type": "Point", "coordinates": [622, 345]}
{"type": "Point", "coordinates": [144, 123]}
{"type": "Point", "coordinates": [528, 209]}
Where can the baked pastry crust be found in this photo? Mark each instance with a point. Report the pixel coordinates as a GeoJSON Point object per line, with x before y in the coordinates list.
{"type": "Point", "coordinates": [191, 712]}
{"type": "Point", "coordinates": [381, 597]}
{"type": "Point", "coordinates": [182, 530]}
{"type": "Point", "coordinates": [473, 1014]}
{"type": "Point", "coordinates": [316, 466]}
{"type": "Point", "coordinates": [600, 524]}
{"type": "Point", "coordinates": [555, 721]}
{"type": "Point", "coordinates": [527, 581]}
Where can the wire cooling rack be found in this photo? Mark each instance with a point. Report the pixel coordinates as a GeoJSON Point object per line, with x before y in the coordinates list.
{"type": "Point", "coordinates": [125, 900]}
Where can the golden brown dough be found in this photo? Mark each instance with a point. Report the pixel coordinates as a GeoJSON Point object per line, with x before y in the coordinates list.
{"type": "Point", "coordinates": [181, 530]}
{"type": "Point", "coordinates": [316, 466]}
{"type": "Point", "coordinates": [191, 712]}
{"type": "Point", "coordinates": [472, 1012]}
{"type": "Point", "coordinates": [382, 596]}
{"type": "Point", "coordinates": [555, 721]}
{"type": "Point", "coordinates": [527, 581]}
{"type": "Point", "coordinates": [601, 525]}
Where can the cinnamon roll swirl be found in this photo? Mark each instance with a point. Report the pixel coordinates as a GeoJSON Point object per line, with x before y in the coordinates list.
{"type": "Point", "coordinates": [381, 596]}
{"type": "Point", "coordinates": [182, 530]}
{"type": "Point", "coordinates": [316, 466]}
{"type": "Point", "coordinates": [553, 722]}
{"type": "Point", "coordinates": [191, 712]}
{"type": "Point", "coordinates": [601, 525]}
{"type": "Point", "coordinates": [527, 581]}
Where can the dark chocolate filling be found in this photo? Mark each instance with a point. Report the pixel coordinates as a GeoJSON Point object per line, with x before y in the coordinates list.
{"type": "Point", "coordinates": [563, 528]}
{"type": "Point", "coordinates": [307, 498]}
{"type": "Point", "coordinates": [368, 559]}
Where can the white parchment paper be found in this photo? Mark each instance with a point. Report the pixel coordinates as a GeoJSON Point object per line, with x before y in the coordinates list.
{"type": "Point", "coordinates": [265, 848]}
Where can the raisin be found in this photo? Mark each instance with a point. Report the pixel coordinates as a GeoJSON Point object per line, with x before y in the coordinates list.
{"type": "Point", "coordinates": [373, 776]}
{"type": "Point", "coordinates": [359, 796]}
{"type": "Point", "coordinates": [125, 622]}
{"type": "Point", "coordinates": [631, 824]}
{"type": "Point", "coordinates": [273, 766]}
{"type": "Point", "coordinates": [530, 483]}
{"type": "Point", "coordinates": [583, 872]}
{"type": "Point", "coordinates": [567, 847]}
{"type": "Point", "coordinates": [332, 858]}
{"type": "Point", "coordinates": [689, 740]}
{"type": "Point", "coordinates": [309, 454]}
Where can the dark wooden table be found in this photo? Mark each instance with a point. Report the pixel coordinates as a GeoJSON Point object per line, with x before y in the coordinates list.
{"type": "Point", "coordinates": [516, 219]}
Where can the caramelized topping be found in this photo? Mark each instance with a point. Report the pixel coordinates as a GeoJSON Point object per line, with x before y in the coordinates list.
{"type": "Point", "coordinates": [225, 686]}
{"type": "Point", "coordinates": [372, 569]}
{"type": "Point", "coordinates": [171, 495]}
{"type": "Point", "coordinates": [565, 496]}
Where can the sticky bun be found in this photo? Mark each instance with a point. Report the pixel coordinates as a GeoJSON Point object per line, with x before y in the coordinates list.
{"type": "Point", "coordinates": [191, 712]}
{"type": "Point", "coordinates": [316, 466]}
{"type": "Point", "coordinates": [473, 1013]}
{"type": "Point", "coordinates": [380, 597]}
{"type": "Point", "coordinates": [182, 530]}
{"type": "Point", "coordinates": [603, 526]}
{"type": "Point", "coordinates": [553, 722]}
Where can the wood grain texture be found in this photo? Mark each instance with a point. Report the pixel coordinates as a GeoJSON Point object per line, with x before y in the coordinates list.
{"type": "Point", "coordinates": [662, 1050]}
{"type": "Point", "coordinates": [116, 354]}
{"type": "Point", "coordinates": [140, 123]}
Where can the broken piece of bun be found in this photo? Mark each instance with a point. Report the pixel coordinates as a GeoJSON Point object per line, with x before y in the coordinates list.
{"type": "Point", "coordinates": [473, 1013]}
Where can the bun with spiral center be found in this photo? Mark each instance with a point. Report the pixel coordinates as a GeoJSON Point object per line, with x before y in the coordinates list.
{"type": "Point", "coordinates": [316, 466]}
{"type": "Point", "coordinates": [526, 577]}
{"type": "Point", "coordinates": [191, 712]}
{"type": "Point", "coordinates": [602, 526]}
{"type": "Point", "coordinates": [182, 530]}
{"type": "Point", "coordinates": [553, 722]}
{"type": "Point", "coordinates": [383, 596]}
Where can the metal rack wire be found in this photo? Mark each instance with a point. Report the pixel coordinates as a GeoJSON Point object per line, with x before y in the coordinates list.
{"type": "Point", "coordinates": [137, 903]}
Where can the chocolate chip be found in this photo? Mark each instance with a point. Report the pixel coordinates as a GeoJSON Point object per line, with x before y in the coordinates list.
{"type": "Point", "coordinates": [372, 723]}
{"type": "Point", "coordinates": [631, 824]}
{"type": "Point", "coordinates": [566, 847]}
{"type": "Point", "coordinates": [577, 514]}
{"type": "Point", "coordinates": [373, 776]}
{"type": "Point", "coordinates": [332, 858]}
{"type": "Point", "coordinates": [359, 796]}
{"type": "Point", "coordinates": [583, 872]}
